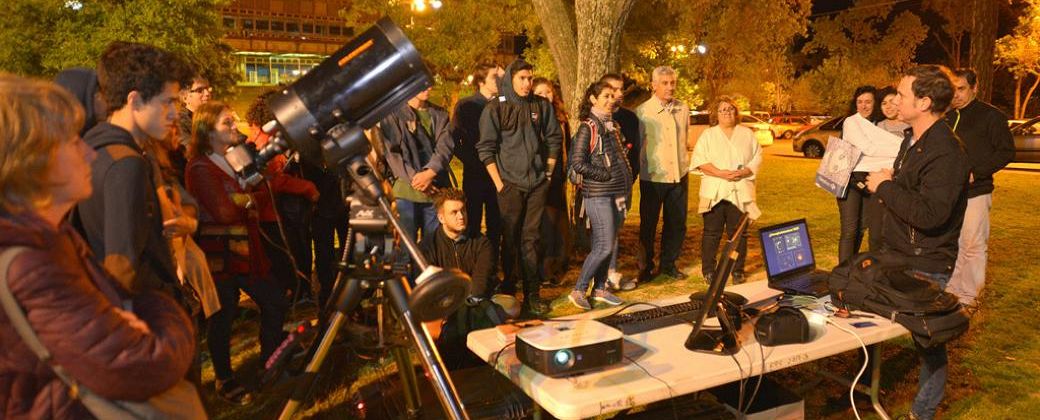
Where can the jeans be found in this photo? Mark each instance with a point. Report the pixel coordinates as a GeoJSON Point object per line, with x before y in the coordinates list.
{"type": "Point", "coordinates": [414, 216]}
{"type": "Point", "coordinates": [606, 220]}
{"type": "Point", "coordinates": [522, 218]}
{"type": "Point", "coordinates": [672, 197]}
{"type": "Point", "coordinates": [969, 275]}
{"type": "Point", "coordinates": [932, 381]}
{"type": "Point", "coordinates": [273, 307]}
{"type": "Point", "coordinates": [724, 216]}
{"type": "Point", "coordinates": [859, 211]}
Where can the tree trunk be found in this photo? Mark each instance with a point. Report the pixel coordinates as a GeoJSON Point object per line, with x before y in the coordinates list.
{"type": "Point", "coordinates": [1018, 97]}
{"type": "Point", "coordinates": [558, 24]}
{"type": "Point", "coordinates": [599, 38]}
{"type": "Point", "coordinates": [584, 53]}
{"type": "Point", "coordinates": [983, 36]}
{"type": "Point", "coordinates": [1025, 101]}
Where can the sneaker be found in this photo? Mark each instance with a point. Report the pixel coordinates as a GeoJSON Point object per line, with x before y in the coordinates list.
{"type": "Point", "coordinates": [578, 299]}
{"type": "Point", "coordinates": [616, 282]}
{"type": "Point", "coordinates": [233, 392]}
{"type": "Point", "coordinates": [673, 273]}
{"type": "Point", "coordinates": [534, 306]}
{"type": "Point", "coordinates": [606, 297]}
{"type": "Point", "coordinates": [645, 276]}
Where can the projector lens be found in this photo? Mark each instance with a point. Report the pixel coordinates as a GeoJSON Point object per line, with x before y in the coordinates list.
{"type": "Point", "coordinates": [563, 358]}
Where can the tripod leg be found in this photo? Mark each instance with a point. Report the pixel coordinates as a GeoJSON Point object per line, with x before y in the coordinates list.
{"type": "Point", "coordinates": [301, 392]}
{"type": "Point", "coordinates": [446, 393]}
{"type": "Point", "coordinates": [409, 383]}
{"type": "Point", "coordinates": [346, 303]}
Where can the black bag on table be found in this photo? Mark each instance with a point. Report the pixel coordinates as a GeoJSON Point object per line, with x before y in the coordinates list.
{"type": "Point", "coordinates": [883, 283]}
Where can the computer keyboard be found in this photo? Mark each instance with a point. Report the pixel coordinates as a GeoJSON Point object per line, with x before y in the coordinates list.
{"type": "Point", "coordinates": [654, 318]}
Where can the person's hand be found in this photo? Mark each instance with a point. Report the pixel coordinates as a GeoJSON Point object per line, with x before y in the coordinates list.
{"type": "Point", "coordinates": [422, 181]}
{"type": "Point", "coordinates": [179, 226]}
{"type": "Point", "coordinates": [874, 179]}
{"type": "Point", "coordinates": [499, 185]}
{"type": "Point", "coordinates": [314, 197]}
{"type": "Point", "coordinates": [134, 322]}
{"type": "Point", "coordinates": [971, 177]}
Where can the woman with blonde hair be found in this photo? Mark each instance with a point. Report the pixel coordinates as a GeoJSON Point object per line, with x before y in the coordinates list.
{"type": "Point", "coordinates": [118, 346]}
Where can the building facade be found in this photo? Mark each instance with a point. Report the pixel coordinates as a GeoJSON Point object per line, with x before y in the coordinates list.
{"type": "Point", "coordinates": [277, 41]}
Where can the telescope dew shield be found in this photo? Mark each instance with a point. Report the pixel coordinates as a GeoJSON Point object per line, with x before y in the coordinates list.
{"type": "Point", "coordinates": [357, 86]}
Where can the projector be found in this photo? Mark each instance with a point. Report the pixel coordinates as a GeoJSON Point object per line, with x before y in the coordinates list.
{"type": "Point", "coordinates": [567, 348]}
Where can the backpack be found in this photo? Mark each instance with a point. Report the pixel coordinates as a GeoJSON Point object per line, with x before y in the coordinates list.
{"type": "Point", "coordinates": [883, 283]}
{"type": "Point", "coordinates": [471, 316]}
{"type": "Point", "coordinates": [573, 176]}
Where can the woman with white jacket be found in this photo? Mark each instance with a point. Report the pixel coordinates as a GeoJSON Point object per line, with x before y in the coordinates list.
{"type": "Point", "coordinates": [728, 157]}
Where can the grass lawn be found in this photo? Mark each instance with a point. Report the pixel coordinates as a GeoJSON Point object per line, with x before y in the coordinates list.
{"type": "Point", "coordinates": [994, 369]}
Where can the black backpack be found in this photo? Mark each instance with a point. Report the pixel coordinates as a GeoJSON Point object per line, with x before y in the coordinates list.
{"type": "Point", "coordinates": [883, 283]}
{"type": "Point", "coordinates": [471, 316]}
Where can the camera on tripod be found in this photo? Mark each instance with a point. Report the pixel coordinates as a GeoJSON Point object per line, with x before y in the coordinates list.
{"type": "Point", "coordinates": [322, 117]}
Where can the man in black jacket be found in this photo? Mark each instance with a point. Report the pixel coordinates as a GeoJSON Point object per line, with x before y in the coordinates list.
{"type": "Point", "coordinates": [924, 200]}
{"type": "Point", "coordinates": [453, 247]}
{"type": "Point", "coordinates": [519, 145]}
{"type": "Point", "coordinates": [481, 203]}
{"type": "Point", "coordinates": [984, 130]}
{"type": "Point", "coordinates": [122, 220]}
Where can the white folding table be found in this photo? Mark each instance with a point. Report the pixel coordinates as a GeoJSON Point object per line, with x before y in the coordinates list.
{"type": "Point", "coordinates": [675, 370]}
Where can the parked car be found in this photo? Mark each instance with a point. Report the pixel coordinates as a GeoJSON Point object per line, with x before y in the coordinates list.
{"type": "Point", "coordinates": [785, 126]}
{"type": "Point", "coordinates": [699, 122]}
{"type": "Point", "coordinates": [1027, 141]}
{"type": "Point", "coordinates": [812, 142]}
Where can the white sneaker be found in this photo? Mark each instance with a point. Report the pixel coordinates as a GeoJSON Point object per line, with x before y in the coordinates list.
{"type": "Point", "coordinates": [615, 281]}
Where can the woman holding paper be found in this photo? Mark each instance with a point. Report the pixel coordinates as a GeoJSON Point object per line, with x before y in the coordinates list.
{"type": "Point", "coordinates": [728, 157]}
{"type": "Point", "coordinates": [859, 211]}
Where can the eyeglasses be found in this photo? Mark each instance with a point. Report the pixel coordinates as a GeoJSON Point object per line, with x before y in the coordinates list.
{"type": "Point", "coordinates": [201, 89]}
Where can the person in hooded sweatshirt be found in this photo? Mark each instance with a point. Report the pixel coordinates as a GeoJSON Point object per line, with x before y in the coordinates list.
{"type": "Point", "coordinates": [122, 220]}
{"type": "Point", "coordinates": [83, 84]}
{"type": "Point", "coordinates": [520, 142]}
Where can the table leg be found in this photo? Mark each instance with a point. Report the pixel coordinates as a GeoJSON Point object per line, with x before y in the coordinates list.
{"type": "Point", "coordinates": [875, 382]}
{"type": "Point", "coordinates": [874, 390]}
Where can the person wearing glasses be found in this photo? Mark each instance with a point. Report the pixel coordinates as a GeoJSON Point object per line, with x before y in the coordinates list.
{"type": "Point", "coordinates": [728, 156]}
{"type": "Point", "coordinates": [192, 99]}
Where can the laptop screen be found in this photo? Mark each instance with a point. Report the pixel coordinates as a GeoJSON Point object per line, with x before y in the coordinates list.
{"type": "Point", "coordinates": [786, 247]}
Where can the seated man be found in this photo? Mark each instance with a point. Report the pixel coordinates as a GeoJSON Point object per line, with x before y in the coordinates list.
{"type": "Point", "coordinates": [451, 247]}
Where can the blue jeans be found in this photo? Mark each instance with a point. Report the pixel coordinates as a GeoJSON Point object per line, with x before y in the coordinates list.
{"type": "Point", "coordinates": [605, 219]}
{"type": "Point", "coordinates": [415, 215]}
{"type": "Point", "coordinates": [932, 382]}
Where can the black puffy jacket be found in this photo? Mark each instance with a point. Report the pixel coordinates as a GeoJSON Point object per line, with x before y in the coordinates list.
{"type": "Point", "coordinates": [603, 164]}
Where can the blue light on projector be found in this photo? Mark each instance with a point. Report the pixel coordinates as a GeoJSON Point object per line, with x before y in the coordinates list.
{"type": "Point", "coordinates": [563, 357]}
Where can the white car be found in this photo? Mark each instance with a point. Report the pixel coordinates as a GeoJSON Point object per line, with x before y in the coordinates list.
{"type": "Point", "coordinates": [699, 122]}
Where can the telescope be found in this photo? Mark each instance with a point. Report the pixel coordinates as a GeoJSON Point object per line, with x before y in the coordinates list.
{"type": "Point", "coordinates": [322, 116]}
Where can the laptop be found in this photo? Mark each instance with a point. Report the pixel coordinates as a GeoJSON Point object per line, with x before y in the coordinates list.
{"type": "Point", "coordinates": [790, 262]}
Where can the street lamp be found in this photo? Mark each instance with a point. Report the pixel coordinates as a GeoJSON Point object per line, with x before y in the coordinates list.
{"type": "Point", "coordinates": [702, 49]}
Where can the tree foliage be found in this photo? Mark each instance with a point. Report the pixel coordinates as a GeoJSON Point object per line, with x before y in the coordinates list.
{"type": "Point", "coordinates": [44, 37]}
{"type": "Point", "coordinates": [956, 25]}
{"type": "Point", "coordinates": [745, 46]}
{"type": "Point", "coordinates": [866, 44]}
{"type": "Point", "coordinates": [1019, 53]}
{"type": "Point", "coordinates": [452, 39]}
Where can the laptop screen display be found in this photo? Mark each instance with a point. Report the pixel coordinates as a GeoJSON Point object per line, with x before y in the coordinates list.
{"type": "Point", "coordinates": [786, 248]}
